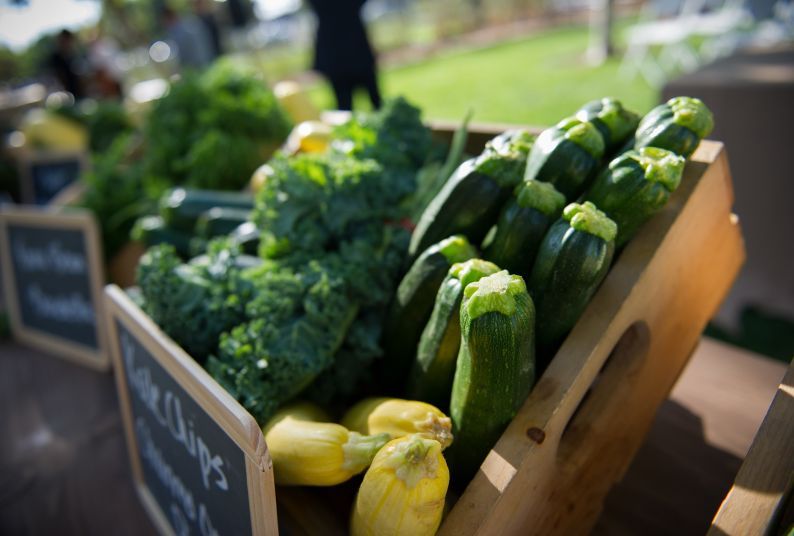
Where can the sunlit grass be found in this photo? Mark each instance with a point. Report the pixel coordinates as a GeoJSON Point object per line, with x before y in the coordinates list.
{"type": "Point", "coordinates": [535, 80]}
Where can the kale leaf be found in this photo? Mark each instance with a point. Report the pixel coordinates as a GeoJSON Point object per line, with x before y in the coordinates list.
{"type": "Point", "coordinates": [194, 303]}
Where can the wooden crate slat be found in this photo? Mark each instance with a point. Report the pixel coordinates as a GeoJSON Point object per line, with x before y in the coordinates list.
{"type": "Point", "coordinates": [756, 501]}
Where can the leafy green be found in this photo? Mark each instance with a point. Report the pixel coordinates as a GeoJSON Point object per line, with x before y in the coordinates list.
{"type": "Point", "coordinates": [316, 202]}
{"type": "Point", "coordinates": [213, 130]}
{"type": "Point", "coordinates": [311, 313]}
{"type": "Point", "coordinates": [335, 251]}
{"type": "Point", "coordinates": [194, 303]}
{"type": "Point", "coordinates": [394, 136]}
{"type": "Point", "coordinates": [105, 123]}
{"type": "Point", "coordinates": [432, 177]}
{"type": "Point", "coordinates": [114, 191]}
{"type": "Point", "coordinates": [299, 320]}
{"type": "Point", "coordinates": [105, 120]}
{"type": "Point", "coordinates": [210, 131]}
{"type": "Point", "coordinates": [350, 372]}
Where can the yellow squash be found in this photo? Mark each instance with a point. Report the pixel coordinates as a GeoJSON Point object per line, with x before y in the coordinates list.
{"type": "Point", "coordinates": [47, 130]}
{"type": "Point", "coordinates": [310, 453]}
{"type": "Point", "coordinates": [295, 101]}
{"type": "Point", "coordinates": [398, 418]}
{"type": "Point", "coordinates": [308, 137]}
{"type": "Point", "coordinates": [259, 177]}
{"type": "Point", "coordinates": [403, 491]}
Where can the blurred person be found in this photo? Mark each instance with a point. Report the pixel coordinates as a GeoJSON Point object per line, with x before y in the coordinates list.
{"type": "Point", "coordinates": [103, 53]}
{"type": "Point", "coordinates": [240, 12]}
{"type": "Point", "coordinates": [65, 63]}
{"type": "Point", "coordinates": [192, 41]}
{"type": "Point", "coordinates": [342, 51]}
{"type": "Point", "coordinates": [205, 14]}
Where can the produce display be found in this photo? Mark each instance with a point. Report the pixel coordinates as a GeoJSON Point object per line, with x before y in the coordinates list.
{"type": "Point", "coordinates": [188, 218]}
{"type": "Point", "coordinates": [314, 300]}
{"type": "Point", "coordinates": [210, 131]}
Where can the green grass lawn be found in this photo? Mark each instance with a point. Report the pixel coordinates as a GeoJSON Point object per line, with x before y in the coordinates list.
{"type": "Point", "coordinates": [537, 80]}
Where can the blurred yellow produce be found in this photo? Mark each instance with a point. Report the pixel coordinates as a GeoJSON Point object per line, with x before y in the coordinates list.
{"type": "Point", "coordinates": [259, 177]}
{"type": "Point", "coordinates": [295, 102]}
{"type": "Point", "coordinates": [309, 137]}
{"type": "Point", "coordinates": [49, 131]}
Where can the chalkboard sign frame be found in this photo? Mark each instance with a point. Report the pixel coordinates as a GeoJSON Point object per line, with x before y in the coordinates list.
{"type": "Point", "coordinates": [29, 160]}
{"type": "Point", "coordinates": [219, 405]}
{"type": "Point", "coordinates": [78, 220]}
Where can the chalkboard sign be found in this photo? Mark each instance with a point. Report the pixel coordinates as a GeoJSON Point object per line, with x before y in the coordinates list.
{"type": "Point", "coordinates": [198, 458]}
{"type": "Point", "coordinates": [45, 175]}
{"type": "Point", "coordinates": [53, 282]}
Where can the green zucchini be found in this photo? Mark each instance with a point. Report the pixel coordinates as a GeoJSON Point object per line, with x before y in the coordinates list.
{"type": "Point", "coordinates": [413, 304]}
{"type": "Point", "coordinates": [470, 201]}
{"type": "Point", "coordinates": [566, 155]}
{"type": "Point", "coordinates": [572, 261]}
{"type": "Point", "coordinates": [677, 125]}
{"type": "Point", "coordinates": [152, 230]}
{"type": "Point", "coordinates": [246, 236]}
{"type": "Point", "coordinates": [634, 187]}
{"type": "Point", "coordinates": [434, 367]}
{"type": "Point", "coordinates": [180, 208]}
{"type": "Point", "coordinates": [219, 221]}
{"type": "Point", "coordinates": [522, 225]}
{"type": "Point", "coordinates": [495, 368]}
{"type": "Point", "coordinates": [615, 123]}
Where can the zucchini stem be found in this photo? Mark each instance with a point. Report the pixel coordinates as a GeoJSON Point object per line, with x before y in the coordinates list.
{"type": "Point", "coordinates": [360, 449]}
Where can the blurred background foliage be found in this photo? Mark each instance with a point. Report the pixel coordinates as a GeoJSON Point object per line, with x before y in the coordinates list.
{"type": "Point", "coordinates": [507, 60]}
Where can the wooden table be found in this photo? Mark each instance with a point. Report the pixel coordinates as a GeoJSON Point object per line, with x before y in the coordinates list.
{"type": "Point", "coordinates": [64, 469]}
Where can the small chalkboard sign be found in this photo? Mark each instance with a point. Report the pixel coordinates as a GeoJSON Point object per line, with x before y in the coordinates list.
{"type": "Point", "coordinates": [199, 460]}
{"type": "Point", "coordinates": [53, 282]}
{"type": "Point", "coordinates": [44, 175]}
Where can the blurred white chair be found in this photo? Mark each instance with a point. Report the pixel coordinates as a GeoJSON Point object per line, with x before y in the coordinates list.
{"type": "Point", "coordinates": [658, 48]}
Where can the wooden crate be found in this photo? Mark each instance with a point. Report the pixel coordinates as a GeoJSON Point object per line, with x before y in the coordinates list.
{"type": "Point", "coordinates": [580, 427]}
{"type": "Point", "coordinates": [761, 500]}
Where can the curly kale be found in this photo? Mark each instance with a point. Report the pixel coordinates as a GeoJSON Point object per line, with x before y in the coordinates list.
{"type": "Point", "coordinates": [212, 131]}
{"type": "Point", "coordinates": [333, 251]}
{"type": "Point", "coordinates": [298, 321]}
{"type": "Point", "coordinates": [194, 303]}
{"type": "Point", "coordinates": [312, 203]}
{"type": "Point", "coordinates": [351, 371]}
{"type": "Point", "coordinates": [394, 136]}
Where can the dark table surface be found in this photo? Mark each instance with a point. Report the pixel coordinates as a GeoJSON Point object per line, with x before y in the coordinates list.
{"type": "Point", "coordinates": [64, 468]}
